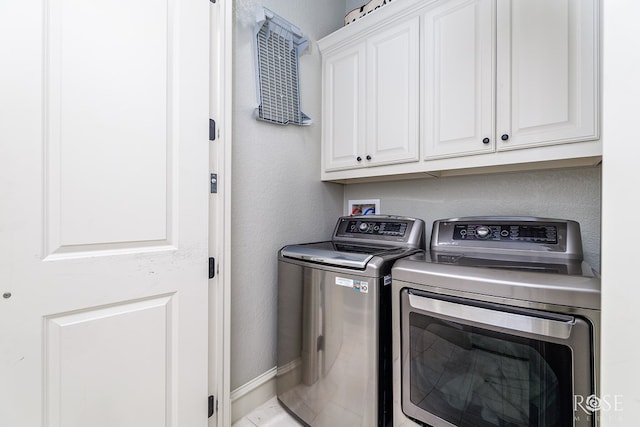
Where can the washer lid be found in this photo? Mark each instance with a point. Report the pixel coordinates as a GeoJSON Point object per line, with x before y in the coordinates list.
{"type": "Point", "coordinates": [338, 254]}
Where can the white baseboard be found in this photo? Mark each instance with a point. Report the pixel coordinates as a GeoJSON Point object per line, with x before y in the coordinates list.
{"type": "Point", "coordinates": [249, 396]}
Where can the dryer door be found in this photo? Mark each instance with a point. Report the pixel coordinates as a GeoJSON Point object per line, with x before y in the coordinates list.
{"type": "Point", "coordinates": [470, 363]}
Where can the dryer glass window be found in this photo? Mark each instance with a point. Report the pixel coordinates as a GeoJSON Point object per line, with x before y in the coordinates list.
{"type": "Point", "coordinates": [470, 376]}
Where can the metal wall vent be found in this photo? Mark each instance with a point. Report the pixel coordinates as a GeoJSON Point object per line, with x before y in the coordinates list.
{"type": "Point", "coordinates": [278, 46]}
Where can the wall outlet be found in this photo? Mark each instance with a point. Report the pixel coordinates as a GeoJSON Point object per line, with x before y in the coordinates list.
{"type": "Point", "coordinates": [363, 207]}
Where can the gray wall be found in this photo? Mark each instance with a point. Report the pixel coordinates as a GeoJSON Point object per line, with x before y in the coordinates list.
{"type": "Point", "coordinates": [277, 195]}
{"type": "Point", "coordinates": [567, 194]}
{"type": "Point", "coordinates": [353, 4]}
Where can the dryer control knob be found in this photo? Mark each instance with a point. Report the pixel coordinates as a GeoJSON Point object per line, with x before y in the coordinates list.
{"type": "Point", "coordinates": [482, 231]}
{"type": "Point", "coordinates": [364, 226]}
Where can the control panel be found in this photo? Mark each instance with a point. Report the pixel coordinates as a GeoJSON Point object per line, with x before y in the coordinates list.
{"type": "Point", "coordinates": [380, 228]}
{"type": "Point", "coordinates": [544, 234]}
{"type": "Point", "coordinates": [513, 235]}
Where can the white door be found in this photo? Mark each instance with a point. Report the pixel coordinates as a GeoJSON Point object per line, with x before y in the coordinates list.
{"type": "Point", "coordinates": [103, 213]}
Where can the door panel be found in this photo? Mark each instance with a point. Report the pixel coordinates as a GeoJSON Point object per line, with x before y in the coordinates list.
{"type": "Point", "coordinates": [344, 108]}
{"type": "Point", "coordinates": [547, 72]}
{"type": "Point", "coordinates": [84, 349]}
{"type": "Point", "coordinates": [458, 89]}
{"type": "Point", "coordinates": [392, 109]}
{"type": "Point", "coordinates": [104, 175]}
{"type": "Point", "coordinates": [95, 78]}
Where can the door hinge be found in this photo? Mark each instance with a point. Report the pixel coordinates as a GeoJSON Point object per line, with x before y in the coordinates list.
{"type": "Point", "coordinates": [212, 128]}
{"type": "Point", "coordinates": [214, 183]}
{"type": "Point", "coordinates": [212, 268]}
{"type": "Point", "coordinates": [213, 405]}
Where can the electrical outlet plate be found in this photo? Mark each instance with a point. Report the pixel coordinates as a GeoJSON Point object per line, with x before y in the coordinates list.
{"type": "Point", "coordinates": [363, 207]}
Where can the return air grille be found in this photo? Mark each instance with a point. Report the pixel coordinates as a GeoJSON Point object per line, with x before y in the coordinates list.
{"type": "Point", "coordinates": [278, 45]}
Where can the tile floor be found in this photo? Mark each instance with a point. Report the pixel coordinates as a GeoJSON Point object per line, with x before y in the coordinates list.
{"type": "Point", "coordinates": [270, 414]}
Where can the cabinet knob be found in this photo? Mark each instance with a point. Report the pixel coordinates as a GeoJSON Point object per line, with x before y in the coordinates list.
{"type": "Point", "coordinates": [359, 158]}
{"type": "Point", "coordinates": [368, 157]}
{"type": "Point", "coordinates": [486, 141]}
{"type": "Point", "coordinates": [504, 137]}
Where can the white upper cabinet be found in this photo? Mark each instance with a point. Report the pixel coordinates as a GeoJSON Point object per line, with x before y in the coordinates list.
{"type": "Point", "coordinates": [458, 78]}
{"type": "Point", "coordinates": [370, 99]}
{"type": "Point", "coordinates": [544, 65]}
{"type": "Point", "coordinates": [392, 98]}
{"type": "Point", "coordinates": [442, 87]}
{"type": "Point", "coordinates": [344, 107]}
{"type": "Point", "coordinates": [547, 72]}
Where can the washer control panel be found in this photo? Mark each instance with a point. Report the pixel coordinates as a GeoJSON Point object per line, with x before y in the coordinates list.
{"type": "Point", "coordinates": [381, 228]}
{"type": "Point", "coordinates": [530, 233]}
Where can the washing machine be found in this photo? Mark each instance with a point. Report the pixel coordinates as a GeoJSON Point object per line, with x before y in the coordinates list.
{"type": "Point", "coordinates": [334, 324]}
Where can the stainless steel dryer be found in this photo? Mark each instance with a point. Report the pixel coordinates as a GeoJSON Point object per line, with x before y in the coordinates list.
{"type": "Point", "coordinates": [334, 326]}
{"type": "Point", "coordinates": [497, 326]}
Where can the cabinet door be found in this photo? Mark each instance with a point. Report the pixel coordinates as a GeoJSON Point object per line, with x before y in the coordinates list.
{"type": "Point", "coordinates": [344, 108]}
{"type": "Point", "coordinates": [547, 72]}
{"type": "Point", "coordinates": [457, 79]}
{"type": "Point", "coordinates": [392, 95]}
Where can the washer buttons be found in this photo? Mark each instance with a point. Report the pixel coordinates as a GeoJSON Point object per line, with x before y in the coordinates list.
{"type": "Point", "coordinates": [482, 232]}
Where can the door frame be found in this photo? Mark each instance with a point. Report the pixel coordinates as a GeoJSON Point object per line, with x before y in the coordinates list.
{"type": "Point", "coordinates": [220, 110]}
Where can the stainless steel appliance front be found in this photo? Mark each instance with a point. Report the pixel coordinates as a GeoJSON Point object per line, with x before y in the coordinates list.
{"type": "Point", "coordinates": [328, 359]}
{"type": "Point", "coordinates": [485, 338]}
{"type": "Point", "coordinates": [475, 364]}
{"type": "Point", "coordinates": [334, 326]}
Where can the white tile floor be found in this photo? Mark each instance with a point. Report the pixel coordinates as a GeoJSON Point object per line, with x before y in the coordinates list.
{"type": "Point", "coordinates": [270, 414]}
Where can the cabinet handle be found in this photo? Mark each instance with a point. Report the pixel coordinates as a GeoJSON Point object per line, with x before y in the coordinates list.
{"type": "Point", "coordinates": [368, 157]}
{"type": "Point", "coordinates": [359, 158]}
{"type": "Point", "coordinates": [504, 137]}
{"type": "Point", "coordinates": [486, 141]}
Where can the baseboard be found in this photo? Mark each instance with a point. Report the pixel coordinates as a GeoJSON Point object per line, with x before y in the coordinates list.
{"type": "Point", "coordinates": [249, 396]}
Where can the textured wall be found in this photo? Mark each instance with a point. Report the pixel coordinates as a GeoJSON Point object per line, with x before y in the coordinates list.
{"type": "Point", "coordinates": [567, 194]}
{"type": "Point", "coordinates": [277, 194]}
{"type": "Point", "coordinates": [353, 4]}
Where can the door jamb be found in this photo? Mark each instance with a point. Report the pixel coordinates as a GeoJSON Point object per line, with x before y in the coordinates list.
{"type": "Point", "coordinates": [221, 62]}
